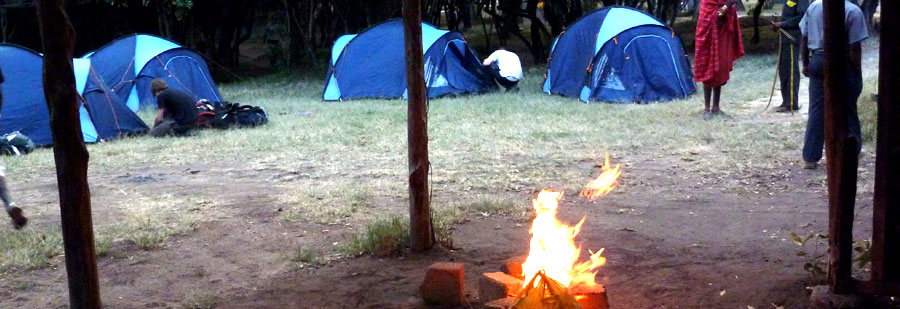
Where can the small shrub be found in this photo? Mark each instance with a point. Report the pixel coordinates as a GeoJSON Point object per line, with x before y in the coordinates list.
{"type": "Point", "coordinates": [817, 262]}
{"type": "Point", "coordinates": [102, 243]}
{"type": "Point", "coordinates": [196, 300]}
{"type": "Point", "coordinates": [306, 256]}
{"type": "Point", "coordinates": [443, 220]}
{"type": "Point", "coordinates": [383, 237]}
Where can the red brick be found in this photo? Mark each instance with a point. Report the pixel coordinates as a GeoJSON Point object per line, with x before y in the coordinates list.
{"type": "Point", "coordinates": [513, 266]}
{"type": "Point", "coordinates": [497, 285]}
{"type": "Point", "coordinates": [444, 284]}
{"type": "Point", "coordinates": [503, 303]}
{"type": "Point", "coordinates": [593, 297]}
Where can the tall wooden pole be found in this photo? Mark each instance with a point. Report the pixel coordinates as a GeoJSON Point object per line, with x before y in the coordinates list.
{"type": "Point", "coordinates": [840, 148]}
{"type": "Point", "coordinates": [58, 40]}
{"type": "Point", "coordinates": [886, 224]}
{"type": "Point", "coordinates": [417, 129]}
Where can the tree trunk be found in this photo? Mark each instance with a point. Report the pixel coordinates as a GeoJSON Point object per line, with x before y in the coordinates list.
{"type": "Point", "coordinates": [420, 229]}
{"type": "Point", "coordinates": [757, 11]}
{"type": "Point", "coordinates": [244, 29]}
{"type": "Point", "coordinates": [886, 204]}
{"type": "Point", "coordinates": [840, 150]}
{"type": "Point", "coordinates": [537, 50]}
{"type": "Point", "coordinates": [58, 40]}
{"type": "Point", "coordinates": [868, 7]}
{"type": "Point", "coordinates": [509, 12]}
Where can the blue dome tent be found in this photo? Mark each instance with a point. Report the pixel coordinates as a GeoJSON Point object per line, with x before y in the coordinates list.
{"type": "Point", "coordinates": [103, 117]}
{"type": "Point", "coordinates": [128, 65]}
{"type": "Point", "coordinates": [372, 64]}
{"type": "Point", "coordinates": [619, 54]}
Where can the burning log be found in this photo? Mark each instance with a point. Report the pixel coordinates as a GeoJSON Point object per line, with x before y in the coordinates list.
{"type": "Point", "coordinates": [590, 296]}
{"type": "Point", "coordinates": [513, 267]}
{"type": "Point", "coordinates": [556, 278]}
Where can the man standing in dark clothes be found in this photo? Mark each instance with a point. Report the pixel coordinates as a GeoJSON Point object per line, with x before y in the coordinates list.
{"type": "Point", "coordinates": [813, 56]}
{"type": "Point", "coordinates": [177, 114]}
{"type": "Point", "coordinates": [789, 64]}
{"type": "Point", "coordinates": [14, 212]}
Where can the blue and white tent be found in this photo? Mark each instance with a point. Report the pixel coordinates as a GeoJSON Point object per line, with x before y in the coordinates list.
{"type": "Point", "coordinates": [103, 115]}
{"type": "Point", "coordinates": [619, 54]}
{"type": "Point", "coordinates": [128, 65]}
{"type": "Point", "coordinates": [372, 64]}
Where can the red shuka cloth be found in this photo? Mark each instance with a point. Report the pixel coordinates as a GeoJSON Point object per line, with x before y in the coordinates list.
{"type": "Point", "coordinates": [716, 47]}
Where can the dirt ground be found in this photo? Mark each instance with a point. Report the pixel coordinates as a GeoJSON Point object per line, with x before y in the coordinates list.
{"type": "Point", "coordinates": [672, 239]}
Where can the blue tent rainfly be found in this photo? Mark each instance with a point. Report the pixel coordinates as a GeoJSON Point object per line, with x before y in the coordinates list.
{"type": "Point", "coordinates": [619, 54]}
{"type": "Point", "coordinates": [372, 64]}
{"type": "Point", "coordinates": [128, 65]}
{"type": "Point", "coordinates": [103, 115]}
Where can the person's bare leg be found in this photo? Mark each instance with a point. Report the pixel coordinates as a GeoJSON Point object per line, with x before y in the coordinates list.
{"type": "Point", "coordinates": [717, 94]}
{"type": "Point", "coordinates": [707, 93]}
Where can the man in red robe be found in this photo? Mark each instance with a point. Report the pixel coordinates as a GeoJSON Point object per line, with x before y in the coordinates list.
{"type": "Point", "coordinates": [718, 44]}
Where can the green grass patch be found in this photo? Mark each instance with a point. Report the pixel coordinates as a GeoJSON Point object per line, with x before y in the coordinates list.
{"type": "Point", "coordinates": [146, 221]}
{"type": "Point", "coordinates": [198, 300]}
{"type": "Point", "coordinates": [867, 107]}
{"type": "Point", "coordinates": [152, 219]}
{"type": "Point", "coordinates": [30, 248]}
{"type": "Point", "coordinates": [333, 204]}
{"type": "Point", "coordinates": [492, 206]}
{"type": "Point", "coordinates": [382, 237]}
{"type": "Point", "coordinates": [304, 256]}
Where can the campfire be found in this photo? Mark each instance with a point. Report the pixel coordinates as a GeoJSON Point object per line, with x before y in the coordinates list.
{"type": "Point", "coordinates": [552, 266]}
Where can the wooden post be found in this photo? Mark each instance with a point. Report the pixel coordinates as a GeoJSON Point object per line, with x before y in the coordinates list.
{"type": "Point", "coordinates": [417, 129]}
{"type": "Point", "coordinates": [840, 148]}
{"type": "Point", "coordinates": [886, 219]}
{"type": "Point", "coordinates": [58, 40]}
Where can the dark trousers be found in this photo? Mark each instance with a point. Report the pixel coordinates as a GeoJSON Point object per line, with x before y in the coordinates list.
{"type": "Point", "coordinates": [815, 126]}
{"type": "Point", "coordinates": [502, 80]}
{"type": "Point", "coordinates": [169, 127]}
{"type": "Point", "coordinates": [789, 73]}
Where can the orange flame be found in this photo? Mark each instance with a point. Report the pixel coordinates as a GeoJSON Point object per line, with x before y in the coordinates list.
{"type": "Point", "coordinates": [603, 184]}
{"type": "Point", "coordinates": [553, 248]}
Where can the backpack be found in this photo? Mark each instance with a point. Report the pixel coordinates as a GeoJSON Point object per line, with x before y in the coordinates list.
{"type": "Point", "coordinates": [213, 115]}
{"type": "Point", "coordinates": [250, 116]}
{"type": "Point", "coordinates": [16, 144]}
{"type": "Point", "coordinates": [222, 115]}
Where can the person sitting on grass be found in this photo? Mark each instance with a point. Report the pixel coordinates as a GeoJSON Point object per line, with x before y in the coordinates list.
{"type": "Point", "coordinates": [505, 67]}
{"type": "Point", "coordinates": [14, 212]}
{"type": "Point", "coordinates": [177, 113]}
